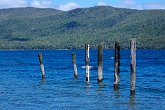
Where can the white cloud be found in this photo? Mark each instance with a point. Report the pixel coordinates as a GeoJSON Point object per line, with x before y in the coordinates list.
{"type": "Point", "coordinates": [134, 5]}
{"type": "Point", "coordinates": [154, 6]}
{"type": "Point", "coordinates": [42, 3]}
{"type": "Point", "coordinates": [101, 3]}
{"type": "Point", "coordinates": [13, 3]}
{"type": "Point", "coordinates": [128, 4]}
{"type": "Point", "coordinates": [69, 6]}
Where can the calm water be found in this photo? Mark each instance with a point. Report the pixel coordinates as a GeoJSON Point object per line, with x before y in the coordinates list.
{"type": "Point", "coordinates": [21, 86]}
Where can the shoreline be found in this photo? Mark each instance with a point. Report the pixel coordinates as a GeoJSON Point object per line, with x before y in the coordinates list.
{"type": "Point", "coordinates": [66, 49]}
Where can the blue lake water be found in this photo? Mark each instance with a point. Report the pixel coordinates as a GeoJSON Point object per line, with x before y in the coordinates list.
{"type": "Point", "coordinates": [22, 88]}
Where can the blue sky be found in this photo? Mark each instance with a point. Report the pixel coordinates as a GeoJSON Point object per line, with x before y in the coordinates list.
{"type": "Point", "coordinates": [72, 4]}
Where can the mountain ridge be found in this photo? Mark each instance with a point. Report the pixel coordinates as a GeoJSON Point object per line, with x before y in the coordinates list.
{"type": "Point", "coordinates": [37, 28]}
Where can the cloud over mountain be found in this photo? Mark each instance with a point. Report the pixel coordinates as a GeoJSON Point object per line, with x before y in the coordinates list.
{"type": "Point", "coordinates": [65, 6]}
{"type": "Point", "coordinates": [101, 3]}
{"type": "Point", "coordinates": [13, 3]}
{"type": "Point", "coordinates": [69, 6]}
{"type": "Point", "coordinates": [42, 3]}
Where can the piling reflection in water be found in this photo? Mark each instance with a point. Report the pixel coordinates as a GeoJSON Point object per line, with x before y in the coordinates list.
{"type": "Point", "coordinates": [132, 102]}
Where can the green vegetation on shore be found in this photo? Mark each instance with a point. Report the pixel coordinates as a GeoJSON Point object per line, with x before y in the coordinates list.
{"type": "Point", "coordinates": [34, 28]}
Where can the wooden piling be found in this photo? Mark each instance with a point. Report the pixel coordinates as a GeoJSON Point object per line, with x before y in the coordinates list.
{"type": "Point", "coordinates": [87, 61]}
{"type": "Point", "coordinates": [116, 65]}
{"type": "Point", "coordinates": [100, 63]}
{"type": "Point", "coordinates": [41, 65]}
{"type": "Point", "coordinates": [133, 65]}
{"type": "Point", "coordinates": [74, 65]}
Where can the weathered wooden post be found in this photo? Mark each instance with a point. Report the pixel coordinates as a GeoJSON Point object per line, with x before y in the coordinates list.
{"type": "Point", "coordinates": [74, 65]}
{"type": "Point", "coordinates": [100, 63]}
{"type": "Point", "coordinates": [41, 65]}
{"type": "Point", "coordinates": [133, 65]}
{"type": "Point", "coordinates": [87, 61]}
{"type": "Point", "coordinates": [116, 65]}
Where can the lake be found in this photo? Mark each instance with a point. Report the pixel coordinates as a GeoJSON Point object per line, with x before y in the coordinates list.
{"type": "Point", "coordinates": [22, 88]}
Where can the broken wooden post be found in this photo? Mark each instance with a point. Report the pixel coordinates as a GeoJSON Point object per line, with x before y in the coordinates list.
{"type": "Point", "coordinates": [100, 63]}
{"type": "Point", "coordinates": [74, 65]}
{"type": "Point", "coordinates": [116, 65]}
{"type": "Point", "coordinates": [41, 65]}
{"type": "Point", "coordinates": [87, 61]}
{"type": "Point", "coordinates": [133, 66]}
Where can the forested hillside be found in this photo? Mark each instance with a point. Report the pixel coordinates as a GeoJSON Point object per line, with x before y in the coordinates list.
{"type": "Point", "coordinates": [34, 28]}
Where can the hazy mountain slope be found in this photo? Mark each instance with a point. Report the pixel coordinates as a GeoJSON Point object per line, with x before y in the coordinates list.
{"type": "Point", "coordinates": [33, 28]}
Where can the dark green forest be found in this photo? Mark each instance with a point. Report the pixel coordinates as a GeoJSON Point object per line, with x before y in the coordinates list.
{"type": "Point", "coordinates": [35, 28]}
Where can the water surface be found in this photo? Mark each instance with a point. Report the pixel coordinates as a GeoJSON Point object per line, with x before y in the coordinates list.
{"type": "Point", "coordinates": [21, 86]}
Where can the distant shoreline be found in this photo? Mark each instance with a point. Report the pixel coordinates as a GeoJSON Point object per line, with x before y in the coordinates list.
{"type": "Point", "coordinates": [68, 49]}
